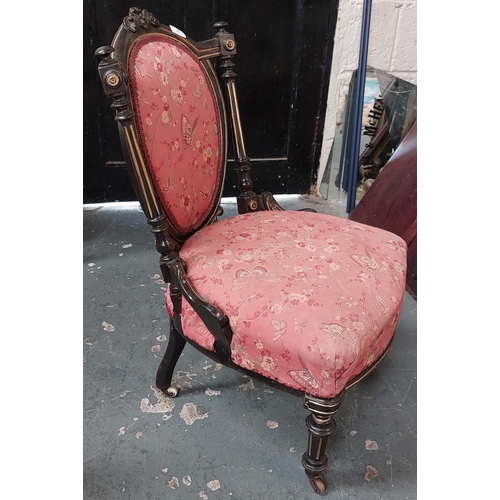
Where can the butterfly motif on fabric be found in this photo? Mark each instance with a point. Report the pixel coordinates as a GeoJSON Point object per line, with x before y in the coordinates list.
{"type": "Point", "coordinates": [170, 183]}
{"type": "Point", "coordinates": [365, 262]}
{"type": "Point", "coordinates": [286, 254]}
{"type": "Point", "coordinates": [333, 329]}
{"type": "Point", "coordinates": [214, 128]}
{"type": "Point", "coordinates": [142, 100]}
{"type": "Point", "coordinates": [140, 67]}
{"type": "Point", "coordinates": [244, 277]}
{"type": "Point", "coordinates": [390, 246]}
{"type": "Point", "coordinates": [383, 305]}
{"type": "Point", "coordinates": [280, 327]}
{"type": "Point", "coordinates": [304, 377]}
{"type": "Point", "coordinates": [187, 131]}
{"type": "Point", "coordinates": [197, 92]}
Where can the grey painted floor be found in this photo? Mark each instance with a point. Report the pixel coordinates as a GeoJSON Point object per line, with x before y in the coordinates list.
{"type": "Point", "coordinates": [224, 435]}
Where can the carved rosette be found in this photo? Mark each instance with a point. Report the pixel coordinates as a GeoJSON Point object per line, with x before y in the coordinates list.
{"type": "Point", "coordinates": [113, 82]}
{"type": "Point", "coordinates": [138, 18]}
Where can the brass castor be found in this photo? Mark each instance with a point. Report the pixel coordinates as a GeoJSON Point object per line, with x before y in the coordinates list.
{"type": "Point", "coordinates": [171, 391]}
{"type": "Point", "coordinates": [318, 484]}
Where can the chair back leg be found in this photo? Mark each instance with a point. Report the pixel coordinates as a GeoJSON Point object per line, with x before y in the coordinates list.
{"type": "Point", "coordinates": [176, 343]}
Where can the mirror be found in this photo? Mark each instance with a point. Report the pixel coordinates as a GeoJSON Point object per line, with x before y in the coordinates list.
{"type": "Point", "coordinates": [389, 111]}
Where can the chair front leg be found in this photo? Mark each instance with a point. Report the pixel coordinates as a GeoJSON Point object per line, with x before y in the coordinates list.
{"type": "Point", "coordinates": [320, 425]}
{"type": "Point", "coordinates": [176, 343]}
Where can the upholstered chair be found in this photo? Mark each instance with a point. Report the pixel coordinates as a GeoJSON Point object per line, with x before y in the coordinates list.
{"type": "Point", "coordinates": [304, 301]}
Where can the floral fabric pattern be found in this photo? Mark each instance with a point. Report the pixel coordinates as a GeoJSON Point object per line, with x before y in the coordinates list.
{"type": "Point", "coordinates": [312, 299]}
{"type": "Point", "coordinates": [179, 126]}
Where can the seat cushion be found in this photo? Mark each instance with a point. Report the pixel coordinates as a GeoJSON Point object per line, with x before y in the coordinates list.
{"type": "Point", "coordinates": [313, 300]}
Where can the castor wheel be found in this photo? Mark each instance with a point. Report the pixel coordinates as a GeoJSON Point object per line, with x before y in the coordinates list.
{"type": "Point", "coordinates": [171, 391]}
{"type": "Point", "coordinates": [318, 484]}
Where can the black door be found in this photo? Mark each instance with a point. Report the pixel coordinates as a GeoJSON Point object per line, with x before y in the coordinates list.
{"type": "Point", "coordinates": [283, 67]}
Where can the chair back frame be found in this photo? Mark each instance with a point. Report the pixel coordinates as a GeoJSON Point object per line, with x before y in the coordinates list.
{"type": "Point", "coordinates": [114, 73]}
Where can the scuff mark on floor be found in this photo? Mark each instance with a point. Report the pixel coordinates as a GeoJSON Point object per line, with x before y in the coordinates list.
{"type": "Point", "coordinates": [181, 374]}
{"type": "Point", "coordinates": [208, 371]}
{"type": "Point", "coordinates": [371, 445]}
{"type": "Point", "coordinates": [161, 338]}
{"type": "Point", "coordinates": [210, 392]}
{"type": "Point", "coordinates": [191, 412]}
{"type": "Point", "coordinates": [213, 485]}
{"type": "Point", "coordinates": [121, 431]}
{"type": "Point", "coordinates": [173, 483]}
{"type": "Point", "coordinates": [371, 472]}
{"type": "Point", "coordinates": [90, 341]}
{"type": "Point", "coordinates": [164, 404]}
{"type": "Point", "coordinates": [203, 495]}
{"type": "Point", "coordinates": [389, 463]}
{"type": "Point", "coordinates": [248, 385]}
{"type": "Point", "coordinates": [108, 327]}
{"type": "Point", "coordinates": [293, 449]}
{"type": "Point", "coordinates": [138, 434]}
{"type": "Point", "coordinates": [353, 433]}
{"type": "Point", "coordinates": [183, 379]}
{"type": "Point", "coordinates": [128, 245]}
{"type": "Point", "coordinates": [186, 480]}
{"type": "Point", "coordinates": [156, 349]}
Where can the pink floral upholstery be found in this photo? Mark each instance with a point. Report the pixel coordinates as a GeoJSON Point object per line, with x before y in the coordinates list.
{"type": "Point", "coordinates": [312, 299]}
{"type": "Point", "coordinates": [179, 125]}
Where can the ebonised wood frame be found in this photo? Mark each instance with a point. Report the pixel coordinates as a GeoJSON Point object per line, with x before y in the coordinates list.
{"type": "Point", "coordinates": [113, 72]}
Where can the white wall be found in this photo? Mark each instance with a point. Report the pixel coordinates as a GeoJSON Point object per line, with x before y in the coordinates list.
{"type": "Point", "coordinates": [392, 48]}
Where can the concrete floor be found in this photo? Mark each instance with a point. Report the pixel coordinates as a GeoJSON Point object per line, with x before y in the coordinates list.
{"type": "Point", "coordinates": [224, 436]}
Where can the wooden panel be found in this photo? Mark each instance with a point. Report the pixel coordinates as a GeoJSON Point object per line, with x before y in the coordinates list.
{"type": "Point", "coordinates": [283, 66]}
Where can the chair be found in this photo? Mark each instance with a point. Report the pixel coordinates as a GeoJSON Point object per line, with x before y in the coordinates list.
{"type": "Point", "coordinates": [391, 202]}
{"type": "Point", "coordinates": [304, 301]}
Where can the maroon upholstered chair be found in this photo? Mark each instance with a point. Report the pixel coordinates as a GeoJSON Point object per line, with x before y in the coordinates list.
{"type": "Point", "coordinates": [305, 301]}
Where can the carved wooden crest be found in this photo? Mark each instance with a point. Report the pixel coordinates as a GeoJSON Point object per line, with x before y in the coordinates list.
{"type": "Point", "coordinates": [139, 18]}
